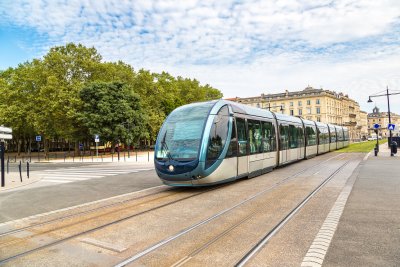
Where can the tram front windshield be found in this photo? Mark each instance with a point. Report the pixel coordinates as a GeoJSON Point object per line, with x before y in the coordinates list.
{"type": "Point", "coordinates": [180, 136]}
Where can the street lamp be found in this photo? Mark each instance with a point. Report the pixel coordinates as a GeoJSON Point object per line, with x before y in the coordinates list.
{"type": "Point", "coordinates": [388, 102]}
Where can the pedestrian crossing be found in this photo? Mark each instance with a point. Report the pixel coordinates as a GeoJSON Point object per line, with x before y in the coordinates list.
{"type": "Point", "coordinates": [76, 174]}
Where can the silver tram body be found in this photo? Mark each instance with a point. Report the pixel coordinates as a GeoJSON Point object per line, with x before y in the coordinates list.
{"type": "Point", "coordinates": [219, 141]}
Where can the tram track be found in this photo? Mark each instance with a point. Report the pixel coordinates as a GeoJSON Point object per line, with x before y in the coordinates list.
{"type": "Point", "coordinates": [218, 215]}
{"type": "Point", "coordinates": [271, 233]}
{"type": "Point", "coordinates": [114, 222]}
{"type": "Point", "coordinates": [93, 229]}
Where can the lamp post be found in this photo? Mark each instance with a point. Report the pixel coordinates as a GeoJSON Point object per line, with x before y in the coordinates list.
{"type": "Point", "coordinates": [388, 102]}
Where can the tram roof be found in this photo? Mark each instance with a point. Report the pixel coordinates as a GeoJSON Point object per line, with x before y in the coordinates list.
{"type": "Point", "coordinates": [248, 110]}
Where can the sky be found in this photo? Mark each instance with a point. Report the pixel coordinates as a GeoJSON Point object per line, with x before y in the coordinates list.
{"type": "Point", "coordinates": [243, 48]}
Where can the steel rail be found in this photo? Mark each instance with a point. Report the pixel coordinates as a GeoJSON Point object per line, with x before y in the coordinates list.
{"type": "Point", "coordinates": [189, 229]}
{"type": "Point", "coordinates": [61, 240]}
{"type": "Point", "coordinates": [255, 249]}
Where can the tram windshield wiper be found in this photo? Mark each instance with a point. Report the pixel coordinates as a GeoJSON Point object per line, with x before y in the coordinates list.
{"type": "Point", "coordinates": [164, 147]}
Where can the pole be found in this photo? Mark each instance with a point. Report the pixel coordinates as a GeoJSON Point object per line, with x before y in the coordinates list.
{"type": "Point", "coordinates": [2, 163]}
{"type": "Point", "coordinates": [390, 121]}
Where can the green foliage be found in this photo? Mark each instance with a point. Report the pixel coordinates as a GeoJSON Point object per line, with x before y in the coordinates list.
{"type": "Point", "coordinates": [111, 110]}
{"type": "Point", "coordinates": [361, 147]}
{"type": "Point", "coordinates": [49, 96]}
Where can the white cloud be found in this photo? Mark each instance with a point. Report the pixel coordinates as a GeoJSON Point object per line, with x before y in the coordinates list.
{"type": "Point", "coordinates": [243, 48]}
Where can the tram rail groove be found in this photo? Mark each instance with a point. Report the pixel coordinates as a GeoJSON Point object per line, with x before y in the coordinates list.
{"type": "Point", "coordinates": [263, 241]}
{"type": "Point", "coordinates": [189, 229]}
{"type": "Point", "coordinates": [61, 240]}
{"type": "Point", "coordinates": [56, 242]}
{"type": "Point", "coordinates": [14, 231]}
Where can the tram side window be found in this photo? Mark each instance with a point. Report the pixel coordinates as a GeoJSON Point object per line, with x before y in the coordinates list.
{"type": "Point", "coordinates": [284, 136]}
{"type": "Point", "coordinates": [293, 136]}
{"type": "Point", "coordinates": [254, 136]}
{"type": "Point", "coordinates": [346, 135]}
{"type": "Point", "coordinates": [333, 136]}
{"type": "Point", "coordinates": [311, 136]}
{"type": "Point", "coordinates": [242, 136]}
{"type": "Point", "coordinates": [232, 149]}
{"type": "Point", "coordinates": [268, 136]}
{"type": "Point", "coordinates": [326, 136]}
{"type": "Point", "coordinates": [218, 136]}
{"type": "Point", "coordinates": [300, 136]}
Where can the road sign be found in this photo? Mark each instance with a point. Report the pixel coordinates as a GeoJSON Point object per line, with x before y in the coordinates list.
{"type": "Point", "coordinates": [38, 138]}
{"type": "Point", "coordinates": [80, 146]}
{"type": "Point", "coordinates": [96, 138]}
{"type": "Point", "coordinates": [5, 133]}
{"type": "Point", "coordinates": [376, 126]}
{"type": "Point", "coordinates": [391, 127]}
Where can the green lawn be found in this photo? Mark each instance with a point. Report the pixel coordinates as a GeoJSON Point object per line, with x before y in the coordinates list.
{"type": "Point", "coordinates": [362, 147]}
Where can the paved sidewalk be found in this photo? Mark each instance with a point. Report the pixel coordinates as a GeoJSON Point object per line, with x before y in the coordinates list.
{"type": "Point", "coordinates": [369, 229]}
{"type": "Point", "coordinates": [13, 180]}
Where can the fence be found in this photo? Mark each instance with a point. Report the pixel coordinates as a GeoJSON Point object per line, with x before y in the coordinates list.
{"type": "Point", "coordinates": [124, 156]}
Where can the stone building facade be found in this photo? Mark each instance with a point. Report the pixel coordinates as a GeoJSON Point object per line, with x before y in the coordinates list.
{"type": "Point", "coordinates": [315, 104]}
{"type": "Point", "coordinates": [382, 118]}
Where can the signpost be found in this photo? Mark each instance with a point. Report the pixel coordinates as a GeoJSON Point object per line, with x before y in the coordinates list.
{"type": "Point", "coordinates": [97, 140]}
{"type": "Point", "coordinates": [376, 150]}
{"type": "Point", "coordinates": [5, 134]}
{"type": "Point", "coordinates": [38, 140]}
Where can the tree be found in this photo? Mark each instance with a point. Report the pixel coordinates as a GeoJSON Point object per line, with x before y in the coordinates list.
{"type": "Point", "coordinates": [109, 109]}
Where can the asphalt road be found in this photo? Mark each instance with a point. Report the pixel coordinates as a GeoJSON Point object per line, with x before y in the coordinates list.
{"type": "Point", "coordinates": [40, 198]}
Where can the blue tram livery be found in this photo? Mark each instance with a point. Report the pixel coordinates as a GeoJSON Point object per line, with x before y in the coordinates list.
{"type": "Point", "coordinates": [219, 141]}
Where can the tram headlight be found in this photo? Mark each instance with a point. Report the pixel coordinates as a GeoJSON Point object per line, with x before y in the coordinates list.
{"type": "Point", "coordinates": [171, 168]}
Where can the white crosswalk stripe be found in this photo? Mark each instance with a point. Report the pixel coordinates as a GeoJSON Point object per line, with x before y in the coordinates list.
{"type": "Point", "coordinates": [75, 174]}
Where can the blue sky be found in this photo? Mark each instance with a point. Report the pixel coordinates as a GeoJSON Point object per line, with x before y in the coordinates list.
{"type": "Point", "coordinates": [243, 48]}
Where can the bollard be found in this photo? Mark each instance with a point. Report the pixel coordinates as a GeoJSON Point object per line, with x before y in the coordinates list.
{"type": "Point", "coordinates": [20, 171]}
{"type": "Point", "coordinates": [8, 166]}
{"type": "Point", "coordinates": [136, 156]}
{"type": "Point", "coordinates": [27, 169]}
{"type": "Point", "coordinates": [376, 151]}
{"type": "Point", "coordinates": [124, 156]}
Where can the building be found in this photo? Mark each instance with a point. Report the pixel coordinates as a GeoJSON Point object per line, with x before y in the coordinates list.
{"type": "Point", "coordinates": [382, 118]}
{"type": "Point", "coordinates": [315, 104]}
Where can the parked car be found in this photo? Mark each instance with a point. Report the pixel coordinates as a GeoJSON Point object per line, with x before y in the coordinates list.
{"type": "Point", "coordinates": [373, 137]}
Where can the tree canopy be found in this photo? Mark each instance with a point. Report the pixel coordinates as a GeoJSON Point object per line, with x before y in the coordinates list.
{"type": "Point", "coordinates": [71, 94]}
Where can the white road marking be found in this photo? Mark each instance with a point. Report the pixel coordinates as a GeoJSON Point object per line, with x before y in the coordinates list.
{"type": "Point", "coordinates": [318, 249]}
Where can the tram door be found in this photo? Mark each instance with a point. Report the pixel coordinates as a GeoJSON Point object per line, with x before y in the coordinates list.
{"type": "Point", "coordinates": [284, 143]}
{"type": "Point", "coordinates": [243, 161]}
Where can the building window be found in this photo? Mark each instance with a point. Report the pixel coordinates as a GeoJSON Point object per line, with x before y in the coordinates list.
{"type": "Point", "coordinates": [319, 119]}
{"type": "Point", "coordinates": [291, 112]}
{"type": "Point", "coordinates": [308, 102]}
{"type": "Point", "coordinates": [299, 103]}
{"type": "Point", "coordinates": [308, 110]}
{"type": "Point", "coordinates": [291, 104]}
{"type": "Point", "coordinates": [318, 110]}
{"type": "Point", "coordinates": [300, 111]}
{"type": "Point", "coordinates": [317, 102]}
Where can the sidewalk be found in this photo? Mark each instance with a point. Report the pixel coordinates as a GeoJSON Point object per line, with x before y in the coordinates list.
{"type": "Point", "coordinates": [369, 233]}
{"type": "Point", "coordinates": [13, 180]}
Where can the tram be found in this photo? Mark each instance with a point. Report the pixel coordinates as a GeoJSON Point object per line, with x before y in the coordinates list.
{"type": "Point", "coordinates": [220, 141]}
